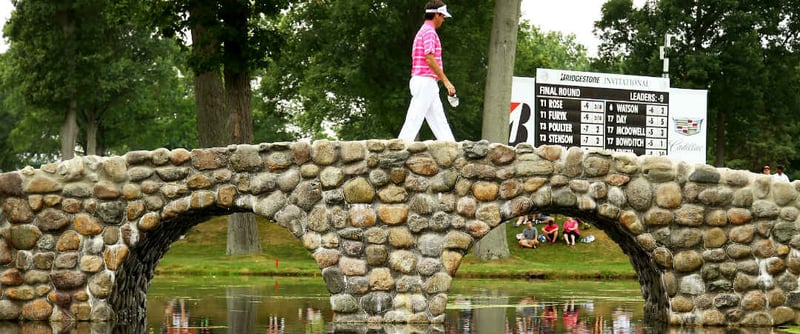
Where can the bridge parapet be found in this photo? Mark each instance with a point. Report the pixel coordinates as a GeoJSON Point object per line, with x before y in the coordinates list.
{"type": "Point", "coordinates": [388, 223]}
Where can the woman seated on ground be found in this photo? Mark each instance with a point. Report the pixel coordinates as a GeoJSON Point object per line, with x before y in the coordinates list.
{"type": "Point", "coordinates": [530, 236]}
{"type": "Point", "coordinates": [571, 231]}
{"type": "Point", "coordinates": [550, 231]}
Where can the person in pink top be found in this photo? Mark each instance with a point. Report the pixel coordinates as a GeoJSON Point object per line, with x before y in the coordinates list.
{"type": "Point", "coordinates": [426, 72]}
{"type": "Point", "coordinates": [571, 231]}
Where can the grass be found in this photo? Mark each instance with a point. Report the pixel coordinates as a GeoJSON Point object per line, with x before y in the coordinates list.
{"type": "Point", "coordinates": [202, 253]}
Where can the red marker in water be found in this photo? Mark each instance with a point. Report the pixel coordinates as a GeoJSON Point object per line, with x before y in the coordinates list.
{"type": "Point", "coordinates": [276, 285]}
{"type": "Point", "coordinates": [276, 262]}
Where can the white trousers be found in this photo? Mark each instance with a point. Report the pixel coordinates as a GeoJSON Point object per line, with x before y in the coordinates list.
{"type": "Point", "coordinates": [425, 105]}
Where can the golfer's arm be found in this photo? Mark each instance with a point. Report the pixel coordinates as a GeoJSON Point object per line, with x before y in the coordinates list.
{"type": "Point", "coordinates": [430, 59]}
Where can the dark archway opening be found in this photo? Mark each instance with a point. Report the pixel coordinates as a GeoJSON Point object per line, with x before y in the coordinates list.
{"type": "Point", "coordinates": [129, 298]}
{"type": "Point", "coordinates": [174, 246]}
{"type": "Point", "coordinates": [648, 273]}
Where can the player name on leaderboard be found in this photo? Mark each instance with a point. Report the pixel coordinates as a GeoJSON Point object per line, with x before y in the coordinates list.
{"type": "Point", "coordinates": [590, 110]}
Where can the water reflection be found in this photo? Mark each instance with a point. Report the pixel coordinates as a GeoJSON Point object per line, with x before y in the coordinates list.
{"type": "Point", "coordinates": [532, 316]}
{"type": "Point", "coordinates": [301, 305]}
{"type": "Point", "coordinates": [243, 310]}
{"type": "Point", "coordinates": [177, 320]}
{"type": "Point", "coordinates": [485, 319]}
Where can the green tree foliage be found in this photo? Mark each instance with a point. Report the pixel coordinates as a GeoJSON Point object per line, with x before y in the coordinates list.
{"type": "Point", "coordinates": [551, 49]}
{"type": "Point", "coordinates": [10, 113]}
{"type": "Point", "coordinates": [230, 39]}
{"type": "Point", "coordinates": [165, 109]}
{"type": "Point", "coordinates": [347, 63]}
{"type": "Point", "coordinates": [743, 52]}
{"type": "Point", "coordinates": [257, 42]}
{"type": "Point", "coordinates": [89, 57]}
{"type": "Point", "coordinates": [14, 148]}
{"type": "Point", "coordinates": [269, 124]}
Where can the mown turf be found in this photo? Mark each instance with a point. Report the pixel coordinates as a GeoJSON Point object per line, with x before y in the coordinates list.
{"type": "Point", "coordinates": [202, 252]}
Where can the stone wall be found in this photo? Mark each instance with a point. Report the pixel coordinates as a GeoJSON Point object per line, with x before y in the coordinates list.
{"type": "Point", "coordinates": [388, 223]}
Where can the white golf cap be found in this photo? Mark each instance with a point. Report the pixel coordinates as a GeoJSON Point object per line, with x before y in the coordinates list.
{"type": "Point", "coordinates": [441, 10]}
{"type": "Point", "coordinates": [453, 99]}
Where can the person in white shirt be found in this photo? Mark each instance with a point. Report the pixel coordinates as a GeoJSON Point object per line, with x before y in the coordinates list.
{"type": "Point", "coordinates": [779, 175]}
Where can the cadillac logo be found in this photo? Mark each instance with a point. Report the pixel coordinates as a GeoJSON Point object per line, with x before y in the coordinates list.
{"type": "Point", "coordinates": [688, 126]}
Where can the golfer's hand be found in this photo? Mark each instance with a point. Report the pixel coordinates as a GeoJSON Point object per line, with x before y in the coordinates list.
{"type": "Point", "coordinates": [451, 90]}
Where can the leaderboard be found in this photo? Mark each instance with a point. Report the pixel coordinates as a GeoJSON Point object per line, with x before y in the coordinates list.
{"type": "Point", "coordinates": [591, 110]}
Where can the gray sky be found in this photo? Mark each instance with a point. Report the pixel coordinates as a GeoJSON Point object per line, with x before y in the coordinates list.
{"type": "Point", "coordinates": [569, 17]}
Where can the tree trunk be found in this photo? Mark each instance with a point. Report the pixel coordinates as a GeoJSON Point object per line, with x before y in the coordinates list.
{"type": "Point", "coordinates": [243, 234]}
{"type": "Point", "coordinates": [502, 51]}
{"type": "Point", "coordinates": [486, 317]}
{"type": "Point", "coordinates": [496, 107]}
{"type": "Point", "coordinates": [493, 245]}
{"type": "Point", "coordinates": [69, 131]}
{"type": "Point", "coordinates": [719, 154]}
{"type": "Point", "coordinates": [242, 228]}
{"type": "Point", "coordinates": [243, 310]}
{"type": "Point", "coordinates": [101, 144]}
{"type": "Point", "coordinates": [91, 133]}
{"type": "Point", "coordinates": [238, 95]}
{"type": "Point", "coordinates": [212, 122]}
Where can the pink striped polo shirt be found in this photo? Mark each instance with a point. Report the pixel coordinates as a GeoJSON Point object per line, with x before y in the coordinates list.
{"type": "Point", "coordinates": [426, 42]}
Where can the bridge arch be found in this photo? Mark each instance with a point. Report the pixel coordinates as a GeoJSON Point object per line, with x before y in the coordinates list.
{"type": "Point", "coordinates": [389, 221]}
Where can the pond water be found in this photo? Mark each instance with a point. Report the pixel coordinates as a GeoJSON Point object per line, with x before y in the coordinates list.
{"type": "Point", "coordinates": [300, 305]}
{"type": "Point", "coordinates": [286, 305]}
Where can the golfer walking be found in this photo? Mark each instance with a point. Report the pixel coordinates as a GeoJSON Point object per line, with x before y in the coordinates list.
{"type": "Point", "coordinates": [426, 71]}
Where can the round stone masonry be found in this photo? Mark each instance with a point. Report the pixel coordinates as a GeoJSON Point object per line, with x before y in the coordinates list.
{"type": "Point", "coordinates": [388, 223]}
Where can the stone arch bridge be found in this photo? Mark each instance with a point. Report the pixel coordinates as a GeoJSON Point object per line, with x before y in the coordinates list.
{"type": "Point", "coordinates": [388, 223]}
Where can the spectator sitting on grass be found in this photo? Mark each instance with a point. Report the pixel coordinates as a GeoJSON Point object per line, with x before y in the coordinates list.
{"type": "Point", "coordinates": [550, 231]}
{"type": "Point", "coordinates": [530, 236]}
{"type": "Point", "coordinates": [571, 231]}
